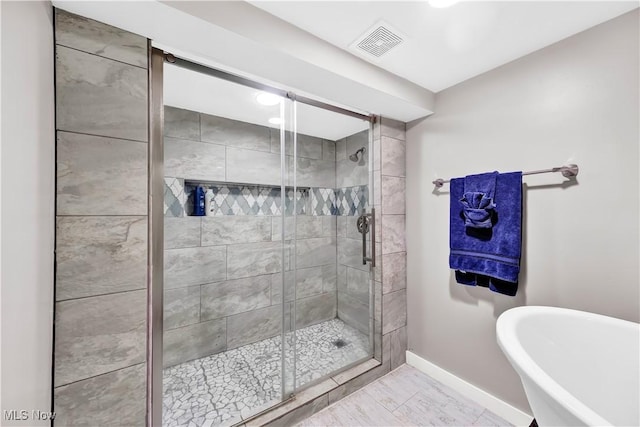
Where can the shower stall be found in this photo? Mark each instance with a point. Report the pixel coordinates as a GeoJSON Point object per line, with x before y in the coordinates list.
{"type": "Point", "coordinates": [262, 241]}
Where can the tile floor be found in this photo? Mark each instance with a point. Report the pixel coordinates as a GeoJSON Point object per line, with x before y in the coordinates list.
{"type": "Point", "coordinates": [405, 397]}
{"type": "Point", "coordinates": [227, 387]}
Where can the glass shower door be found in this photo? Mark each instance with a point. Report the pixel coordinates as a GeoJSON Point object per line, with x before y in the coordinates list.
{"type": "Point", "coordinates": [267, 246]}
{"type": "Point", "coordinates": [226, 249]}
{"type": "Point", "coordinates": [331, 301]}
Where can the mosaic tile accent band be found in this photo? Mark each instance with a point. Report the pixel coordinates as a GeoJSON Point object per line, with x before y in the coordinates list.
{"type": "Point", "coordinates": [174, 197]}
{"type": "Point", "coordinates": [351, 200]}
{"type": "Point", "coordinates": [265, 200]}
{"type": "Point", "coordinates": [248, 200]}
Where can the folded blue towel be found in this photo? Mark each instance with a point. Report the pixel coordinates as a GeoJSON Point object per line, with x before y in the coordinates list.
{"type": "Point", "coordinates": [486, 256]}
{"type": "Point", "coordinates": [477, 200]}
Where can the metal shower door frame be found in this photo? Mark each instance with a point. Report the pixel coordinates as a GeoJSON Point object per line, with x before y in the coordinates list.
{"type": "Point", "coordinates": [155, 226]}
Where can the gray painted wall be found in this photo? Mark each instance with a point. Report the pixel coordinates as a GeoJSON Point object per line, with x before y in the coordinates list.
{"type": "Point", "coordinates": [575, 101]}
{"type": "Point", "coordinates": [28, 169]}
{"type": "Point", "coordinates": [101, 224]}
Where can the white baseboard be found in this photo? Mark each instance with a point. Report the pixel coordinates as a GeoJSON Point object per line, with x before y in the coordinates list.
{"type": "Point", "coordinates": [499, 407]}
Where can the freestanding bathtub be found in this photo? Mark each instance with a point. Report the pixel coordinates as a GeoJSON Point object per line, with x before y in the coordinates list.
{"type": "Point", "coordinates": [577, 368]}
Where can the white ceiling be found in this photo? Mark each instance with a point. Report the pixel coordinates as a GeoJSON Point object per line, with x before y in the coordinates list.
{"type": "Point", "coordinates": [199, 92]}
{"type": "Point", "coordinates": [446, 46]}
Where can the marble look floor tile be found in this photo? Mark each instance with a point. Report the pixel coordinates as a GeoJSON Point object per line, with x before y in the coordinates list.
{"type": "Point", "coordinates": [361, 409]}
{"type": "Point", "coordinates": [219, 389]}
{"type": "Point", "coordinates": [424, 409]}
{"type": "Point", "coordinates": [489, 419]}
{"type": "Point", "coordinates": [412, 398]}
{"type": "Point", "coordinates": [396, 388]}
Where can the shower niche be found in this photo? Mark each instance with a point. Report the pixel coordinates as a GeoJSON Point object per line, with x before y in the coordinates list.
{"type": "Point", "coordinates": [266, 293]}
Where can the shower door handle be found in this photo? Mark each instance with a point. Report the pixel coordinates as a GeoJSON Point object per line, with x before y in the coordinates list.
{"type": "Point", "coordinates": [367, 223]}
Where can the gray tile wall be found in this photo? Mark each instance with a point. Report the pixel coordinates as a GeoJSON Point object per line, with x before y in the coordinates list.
{"type": "Point", "coordinates": [390, 318]}
{"type": "Point", "coordinates": [223, 274]}
{"type": "Point", "coordinates": [353, 277]}
{"type": "Point", "coordinates": [101, 224]}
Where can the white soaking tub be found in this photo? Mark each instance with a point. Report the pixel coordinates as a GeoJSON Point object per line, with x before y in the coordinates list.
{"type": "Point", "coordinates": [577, 368]}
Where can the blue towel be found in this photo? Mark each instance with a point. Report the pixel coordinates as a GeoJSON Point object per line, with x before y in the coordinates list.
{"type": "Point", "coordinates": [477, 200]}
{"type": "Point", "coordinates": [488, 255]}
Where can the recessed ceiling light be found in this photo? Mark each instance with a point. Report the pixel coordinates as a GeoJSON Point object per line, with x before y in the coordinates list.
{"type": "Point", "coordinates": [275, 120]}
{"type": "Point", "coordinates": [439, 4]}
{"type": "Point", "coordinates": [265, 98]}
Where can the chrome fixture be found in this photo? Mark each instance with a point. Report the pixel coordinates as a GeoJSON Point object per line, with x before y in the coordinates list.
{"type": "Point", "coordinates": [568, 171]}
{"type": "Point", "coordinates": [354, 156]}
{"type": "Point", "coordinates": [366, 224]}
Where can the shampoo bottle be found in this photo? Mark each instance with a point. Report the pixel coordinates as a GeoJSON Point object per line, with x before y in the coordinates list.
{"type": "Point", "coordinates": [198, 201]}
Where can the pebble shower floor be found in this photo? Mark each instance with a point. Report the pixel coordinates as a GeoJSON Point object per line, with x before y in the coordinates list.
{"type": "Point", "coordinates": [227, 387]}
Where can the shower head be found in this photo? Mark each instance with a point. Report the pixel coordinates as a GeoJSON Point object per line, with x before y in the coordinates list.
{"type": "Point", "coordinates": [354, 156]}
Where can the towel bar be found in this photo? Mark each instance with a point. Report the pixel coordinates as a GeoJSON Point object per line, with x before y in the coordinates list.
{"type": "Point", "coordinates": [568, 171]}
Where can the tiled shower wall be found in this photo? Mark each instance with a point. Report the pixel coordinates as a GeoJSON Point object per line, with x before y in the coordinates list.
{"type": "Point", "coordinates": [389, 166]}
{"type": "Point", "coordinates": [222, 273]}
{"type": "Point", "coordinates": [353, 276]}
{"type": "Point", "coordinates": [101, 224]}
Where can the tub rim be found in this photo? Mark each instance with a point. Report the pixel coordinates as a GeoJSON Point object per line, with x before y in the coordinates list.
{"type": "Point", "coordinates": [528, 368]}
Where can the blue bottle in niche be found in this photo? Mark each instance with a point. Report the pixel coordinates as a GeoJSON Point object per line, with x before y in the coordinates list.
{"type": "Point", "coordinates": [198, 201]}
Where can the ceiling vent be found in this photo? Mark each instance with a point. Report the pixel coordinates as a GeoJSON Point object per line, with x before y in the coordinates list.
{"type": "Point", "coordinates": [378, 40]}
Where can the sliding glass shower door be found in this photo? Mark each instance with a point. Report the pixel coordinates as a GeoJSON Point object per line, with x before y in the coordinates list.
{"type": "Point", "coordinates": [225, 202]}
{"type": "Point", "coordinates": [267, 284]}
{"type": "Point", "coordinates": [331, 300]}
